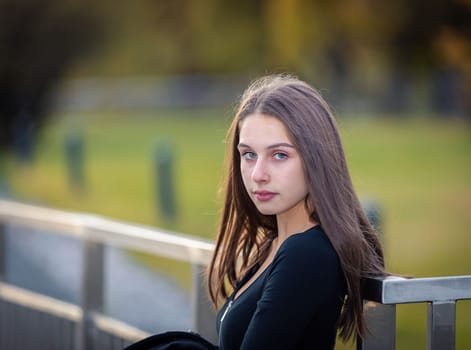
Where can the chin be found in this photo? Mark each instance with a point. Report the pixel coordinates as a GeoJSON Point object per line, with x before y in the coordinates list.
{"type": "Point", "coordinates": [266, 211]}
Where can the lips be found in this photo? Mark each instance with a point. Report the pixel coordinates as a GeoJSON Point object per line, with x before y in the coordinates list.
{"type": "Point", "coordinates": [264, 196]}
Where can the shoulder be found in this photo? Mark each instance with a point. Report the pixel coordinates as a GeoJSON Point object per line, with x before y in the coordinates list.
{"type": "Point", "coordinates": [314, 239]}
{"type": "Point", "coordinates": [306, 258]}
{"type": "Point", "coordinates": [311, 247]}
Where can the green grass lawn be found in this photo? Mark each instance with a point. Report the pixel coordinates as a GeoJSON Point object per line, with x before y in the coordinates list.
{"type": "Point", "coordinates": [417, 169]}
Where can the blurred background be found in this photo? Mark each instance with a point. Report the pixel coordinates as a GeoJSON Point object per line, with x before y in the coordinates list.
{"type": "Point", "coordinates": [120, 108]}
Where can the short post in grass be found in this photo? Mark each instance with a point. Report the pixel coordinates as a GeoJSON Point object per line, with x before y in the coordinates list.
{"type": "Point", "coordinates": [373, 212]}
{"type": "Point", "coordinates": [74, 157]}
{"type": "Point", "coordinates": [164, 156]}
{"type": "Point", "coordinates": [4, 190]}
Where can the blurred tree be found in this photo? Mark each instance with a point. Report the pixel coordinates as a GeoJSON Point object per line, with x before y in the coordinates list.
{"type": "Point", "coordinates": [204, 36]}
{"type": "Point", "coordinates": [347, 46]}
{"type": "Point", "coordinates": [38, 41]}
{"type": "Point", "coordinates": [429, 36]}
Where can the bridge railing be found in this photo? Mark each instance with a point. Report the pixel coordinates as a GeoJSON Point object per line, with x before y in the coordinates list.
{"type": "Point", "coordinates": [85, 327]}
{"type": "Point", "coordinates": [89, 328]}
{"type": "Point", "coordinates": [440, 294]}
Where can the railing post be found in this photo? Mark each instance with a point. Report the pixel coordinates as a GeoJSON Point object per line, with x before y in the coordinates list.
{"type": "Point", "coordinates": [204, 317]}
{"type": "Point", "coordinates": [92, 291]}
{"type": "Point", "coordinates": [441, 316]}
{"type": "Point", "coordinates": [381, 323]}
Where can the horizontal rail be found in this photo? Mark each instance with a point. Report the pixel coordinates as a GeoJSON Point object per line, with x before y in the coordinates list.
{"type": "Point", "coordinates": [40, 302]}
{"type": "Point", "coordinates": [68, 311]}
{"type": "Point", "coordinates": [397, 290]}
{"type": "Point", "coordinates": [111, 232]}
{"type": "Point", "coordinates": [114, 326]}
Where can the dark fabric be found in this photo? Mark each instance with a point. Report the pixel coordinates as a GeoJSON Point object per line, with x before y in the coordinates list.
{"type": "Point", "coordinates": [175, 340]}
{"type": "Point", "coordinates": [294, 304]}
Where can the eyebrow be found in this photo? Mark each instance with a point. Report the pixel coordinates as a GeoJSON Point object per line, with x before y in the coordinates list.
{"type": "Point", "coordinates": [275, 145]}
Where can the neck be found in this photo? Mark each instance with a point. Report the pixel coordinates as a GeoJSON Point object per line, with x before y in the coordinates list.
{"type": "Point", "coordinates": [294, 221]}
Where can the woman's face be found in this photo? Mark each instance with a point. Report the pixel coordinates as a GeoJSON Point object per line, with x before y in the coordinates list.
{"type": "Point", "coordinates": [272, 170]}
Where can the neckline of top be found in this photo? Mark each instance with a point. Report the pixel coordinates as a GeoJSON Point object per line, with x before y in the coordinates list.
{"type": "Point", "coordinates": [255, 268]}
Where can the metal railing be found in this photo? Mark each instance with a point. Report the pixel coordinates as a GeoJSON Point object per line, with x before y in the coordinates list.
{"type": "Point", "coordinates": [33, 321]}
{"type": "Point", "coordinates": [440, 294]}
{"type": "Point", "coordinates": [85, 327]}
{"type": "Point", "coordinates": [90, 329]}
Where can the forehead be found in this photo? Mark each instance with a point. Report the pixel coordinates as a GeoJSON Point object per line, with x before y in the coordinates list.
{"type": "Point", "coordinates": [262, 129]}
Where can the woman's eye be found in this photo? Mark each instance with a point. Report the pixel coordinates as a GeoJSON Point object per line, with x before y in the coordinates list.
{"type": "Point", "coordinates": [248, 155]}
{"type": "Point", "coordinates": [280, 156]}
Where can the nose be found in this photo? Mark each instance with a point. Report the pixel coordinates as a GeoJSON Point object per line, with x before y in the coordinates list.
{"type": "Point", "coordinates": [259, 172]}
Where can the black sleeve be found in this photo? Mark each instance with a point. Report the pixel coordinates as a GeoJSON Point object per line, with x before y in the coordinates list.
{"type": "Point", "coordinates": [302, 281]}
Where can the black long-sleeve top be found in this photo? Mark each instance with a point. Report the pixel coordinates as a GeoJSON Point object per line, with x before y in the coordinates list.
{"type": "Point", "coordinates": [294, 304]}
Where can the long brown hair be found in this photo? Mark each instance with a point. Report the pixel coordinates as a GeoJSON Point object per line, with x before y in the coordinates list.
{"type": "Point", "coordinates": [244, 233]}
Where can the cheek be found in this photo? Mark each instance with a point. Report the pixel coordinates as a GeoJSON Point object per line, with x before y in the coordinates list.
{"type": "Point", "coordinates": [245, 172]}
{"type": "Point", "coordinates": [298, 179]}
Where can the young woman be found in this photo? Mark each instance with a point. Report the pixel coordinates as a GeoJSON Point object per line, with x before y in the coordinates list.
{"type": "Point", "coordinates": [294, 242]}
